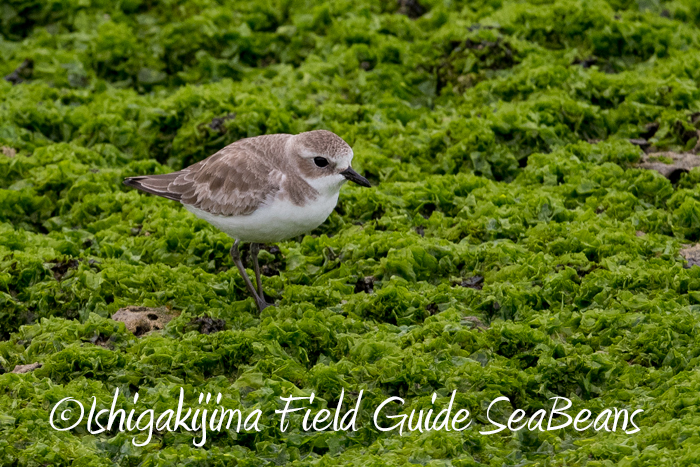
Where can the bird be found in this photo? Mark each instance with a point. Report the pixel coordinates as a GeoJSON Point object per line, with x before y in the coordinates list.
{"type": "Point", "coordinates": [263, 189]}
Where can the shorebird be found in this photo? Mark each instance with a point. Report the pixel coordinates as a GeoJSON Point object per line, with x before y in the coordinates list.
{"type": "Point", "coordinates": [263, 189]}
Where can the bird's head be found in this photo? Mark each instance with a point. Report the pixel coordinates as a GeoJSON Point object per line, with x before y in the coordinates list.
{"type": "Point", "coordinates": [324, 159]}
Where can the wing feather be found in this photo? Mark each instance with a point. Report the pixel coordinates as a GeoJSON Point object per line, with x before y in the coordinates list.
{"type": "Point", "coordinates": [235, 181]}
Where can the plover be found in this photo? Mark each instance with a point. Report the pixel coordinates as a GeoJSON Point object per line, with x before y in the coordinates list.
{"type": "Point", "coordinates": [262, 190]}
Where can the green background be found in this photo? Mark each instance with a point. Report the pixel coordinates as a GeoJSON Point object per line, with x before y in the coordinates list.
{"type": "Point", "coordinates": [497, 135]}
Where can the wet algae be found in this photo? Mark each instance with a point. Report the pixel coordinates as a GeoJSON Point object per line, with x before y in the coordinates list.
{"type": "Point", "coordinates": [511, 245]}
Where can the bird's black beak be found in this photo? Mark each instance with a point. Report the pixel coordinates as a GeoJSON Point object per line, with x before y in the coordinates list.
{"type": "Point", "coordinates": [355, 177]}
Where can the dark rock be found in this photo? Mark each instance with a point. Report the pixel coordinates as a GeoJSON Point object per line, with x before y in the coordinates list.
{"type": "Point", "coordinates": [208, 325]}
{"type": "Point", "coordinates": [586, 62]}
{"type": "Point", "coordinates": [474, 282]}
{"type": "Point", "coordinates": [278, 264]}
{"type": "Point", "coordinates": [584, 272]}
{"type": "Point", "coordinates": [427, 210]}
{"type": "Point", "coordinates": [432, 308]}
{"type": "Point", "coordinates": [650, 130]}
{"type": "Point", "coordinates": [365, 284]}
{"type": "Point", "coordinates": [641, 142]}
{"type": "Point", "coordinates": [103, 340]}
{"type": "Point", "coordinates": [685, 134]}
{"type": "Point", "coordinates": [680, 163]}
{"type": "Point", "coordinates": [474, 322]}
{"type": "Point", "coordinates": [217, 123]}
{"type": "Point", "coordinates": [140, 320]}
{"type": "Point", "coordinates": [61, 268]}
{"type": "Point", "coordinates": [476, 27]}
{"type": "Point", "coordinates": [21, 369]}
{"type": "Point", "coordinates": [691, 255]}
{"type": "Point", "coordinates": [488, 55]}
{"type": "Point", "coordinates": [22, 73]}
{"type": "Point", "coordinates": [378, 213]}
{"type": "Point", "coordinates": [411, 8]}
{"type": "Point", "coordinates": [269, 270]}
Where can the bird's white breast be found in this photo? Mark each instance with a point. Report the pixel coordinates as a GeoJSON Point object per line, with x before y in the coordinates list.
{"type": "Point", "coordinates": [279, 219]}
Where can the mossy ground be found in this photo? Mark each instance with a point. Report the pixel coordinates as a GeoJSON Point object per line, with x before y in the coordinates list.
{"type": "Point", "coordinates": [497, 135]}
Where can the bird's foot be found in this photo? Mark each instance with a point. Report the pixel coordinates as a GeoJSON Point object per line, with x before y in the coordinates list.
{"type": "Point", "coordinates": [262, 304]}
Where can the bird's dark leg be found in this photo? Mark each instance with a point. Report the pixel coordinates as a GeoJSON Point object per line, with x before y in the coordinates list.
{"type": "Point", "coordinates": [236, 257]}
{"type": "Point", "coordinates": [254, 250]}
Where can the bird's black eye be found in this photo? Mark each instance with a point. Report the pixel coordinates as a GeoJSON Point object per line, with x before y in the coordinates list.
{"type": "Point", "coordinates": [320, 161]}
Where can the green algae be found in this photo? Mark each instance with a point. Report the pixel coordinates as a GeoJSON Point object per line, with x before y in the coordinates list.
{"type": "Point", "coordinates": [497, 134]}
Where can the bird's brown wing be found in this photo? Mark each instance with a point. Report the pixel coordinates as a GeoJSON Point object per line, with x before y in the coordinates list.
{"type": "Point", "coordinates": [235, 181]}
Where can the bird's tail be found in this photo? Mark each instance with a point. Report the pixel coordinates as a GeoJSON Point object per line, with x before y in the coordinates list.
{"type": "Point", "coordinates": [155, 184]}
